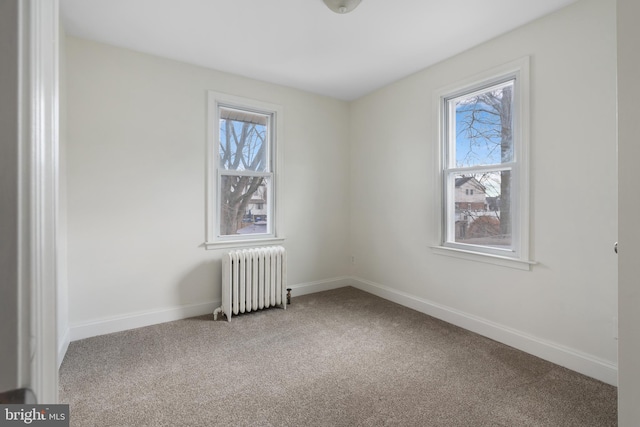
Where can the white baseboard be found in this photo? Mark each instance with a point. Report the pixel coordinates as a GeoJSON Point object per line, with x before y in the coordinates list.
{"type": "Point", "coordinates": [560, 355]}
{"type": "Point", "coordinates": [320, 286]}
{"type": "Point", "coordinates": [63, 345]}
{"type": "Point", "coordinates": [569, 358]}
{"type": "Point", "coordinates": [113, 324]}
{"type": "Point", "coordinates": [138, 320]}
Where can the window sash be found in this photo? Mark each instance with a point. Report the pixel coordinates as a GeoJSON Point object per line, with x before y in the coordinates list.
{"type": "Point", "coordinates": [252, 116]}
{"type": "Point", "coordinates": [224, 106]}
{"type": "Point", "coordinates": [449, 217]}
{"type": "Point", "coordinates": [269, 203]}
{"type": "Point", "coordinates": [517, 255]}
{"type": "Point", "coordinates": [235, 113]}
{"type": "Point", "coordinates": [448, 107]}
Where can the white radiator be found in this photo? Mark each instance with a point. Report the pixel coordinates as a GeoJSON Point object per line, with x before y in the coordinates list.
{"type": "Point", "coordinates": [253, 279]}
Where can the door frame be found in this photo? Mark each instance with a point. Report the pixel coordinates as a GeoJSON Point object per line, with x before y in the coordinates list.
{"type": "Point", "coordinates": [38, 133]}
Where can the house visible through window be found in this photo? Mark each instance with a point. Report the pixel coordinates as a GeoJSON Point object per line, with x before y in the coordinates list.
{"type": "Point", "coordinates": [242, 170]}
{"type": "Point", "coordinates": [484, 188]}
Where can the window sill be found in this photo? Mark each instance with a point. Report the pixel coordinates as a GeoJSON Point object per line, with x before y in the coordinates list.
{"type": "Point", "coordinates": [229, 244]}
{"type": "Point", "coordinates": [485, 258]}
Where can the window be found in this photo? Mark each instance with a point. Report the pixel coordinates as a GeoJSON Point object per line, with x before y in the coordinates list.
{"type": "Point", "coordinates": [483, 167]}
{"type": "Point", "coordinates": [242, 167]}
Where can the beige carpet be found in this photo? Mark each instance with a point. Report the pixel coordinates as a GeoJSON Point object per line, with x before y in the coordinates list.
{"type": "Point", "coordinates": [336, 358]}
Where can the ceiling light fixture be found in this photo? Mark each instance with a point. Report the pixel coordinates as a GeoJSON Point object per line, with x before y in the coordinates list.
{"type": "Point", "coordinates": [342, 6]}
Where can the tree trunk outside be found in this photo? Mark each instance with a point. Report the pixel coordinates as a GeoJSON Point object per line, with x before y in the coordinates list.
{"type": "Point", "coordinates": [234, 203]}
{"type": "Point", "coordinates": [506, 151]}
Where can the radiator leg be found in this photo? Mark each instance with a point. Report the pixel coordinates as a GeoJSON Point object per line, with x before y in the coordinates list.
{"type": "Point", "coordinates": [215, 313]}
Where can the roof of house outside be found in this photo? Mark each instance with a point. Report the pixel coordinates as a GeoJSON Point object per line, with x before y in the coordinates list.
{"type": "Point", "coordinates": [462, 180]}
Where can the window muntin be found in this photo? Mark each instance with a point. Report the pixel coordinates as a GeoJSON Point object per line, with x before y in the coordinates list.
{"type": "Point", "coordinates": [480, 166]}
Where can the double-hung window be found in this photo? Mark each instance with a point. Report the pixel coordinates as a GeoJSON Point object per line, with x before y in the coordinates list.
{"type": "Point", "coordinates": [242, 168]}
{"type": "Point", "coordinates": [483, 167]}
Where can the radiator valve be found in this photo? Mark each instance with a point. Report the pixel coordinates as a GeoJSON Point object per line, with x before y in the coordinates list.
{"type": "Point", "coordinates": [288, 296]}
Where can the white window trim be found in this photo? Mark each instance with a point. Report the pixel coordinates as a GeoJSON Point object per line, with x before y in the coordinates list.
{"type": "Point", "coordinates": [519, 259]}
{"type": "Point", "coordinates": [213, 239]}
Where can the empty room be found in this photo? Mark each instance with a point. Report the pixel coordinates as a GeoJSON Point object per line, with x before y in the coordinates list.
{"type": "Point", "coordinates": [428, 192]}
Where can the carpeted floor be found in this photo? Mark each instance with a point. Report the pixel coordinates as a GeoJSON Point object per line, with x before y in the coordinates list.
{"type": "Point", "coordinates": [335, 358]}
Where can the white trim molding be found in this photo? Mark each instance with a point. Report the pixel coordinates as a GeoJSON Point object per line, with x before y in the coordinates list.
{"type": "Point", "coordinates": [109, 325]}
{"type": "Point", "coordinates": [518, 264]}
{"type": "Point", "coordinates": [573, 359]}
{"type": "Point", "coordinates": [445, 170]}
{"type": "Point", "coordinates": [63, 346]}
{"type": "Point", "coordinates": [320, 286]}
{"type": "Point", "coordinates": [244, 243]}
{"type": "Point", "coordinates": [38, 191]}
{"type": "Point", "coordinates": [274, 116]}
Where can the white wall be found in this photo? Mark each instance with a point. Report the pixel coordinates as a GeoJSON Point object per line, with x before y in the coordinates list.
{"type": "Point", "coordinates": [563, 308]}
{"type": "Point", "coordinates": [136, 186]}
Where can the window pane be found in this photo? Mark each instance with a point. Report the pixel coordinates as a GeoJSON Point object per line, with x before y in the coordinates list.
{"type": "Point", "coordinates": [243, 140]}
{"type": "Point", "coordinates": [483, 209]}
{"type": "Point", "coordinates": [481, 126]}
{"type": "Point", "coordinates": [244, 205]}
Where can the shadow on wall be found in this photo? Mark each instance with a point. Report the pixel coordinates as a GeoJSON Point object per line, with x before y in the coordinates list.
{"type": "Point", "coordinates": [201, 284]}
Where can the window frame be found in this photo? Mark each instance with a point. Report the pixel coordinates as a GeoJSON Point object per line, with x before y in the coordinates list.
{"type": "Point", "coordinates": [518, 257]}
{"type": "Point", "coordinates": [214, 238]}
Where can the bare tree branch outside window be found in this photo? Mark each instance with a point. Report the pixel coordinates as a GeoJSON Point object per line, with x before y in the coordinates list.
{"type": "Point", "coordinates": [243, 151]}
{"type": "Point", "coordinates": [483, 140]}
